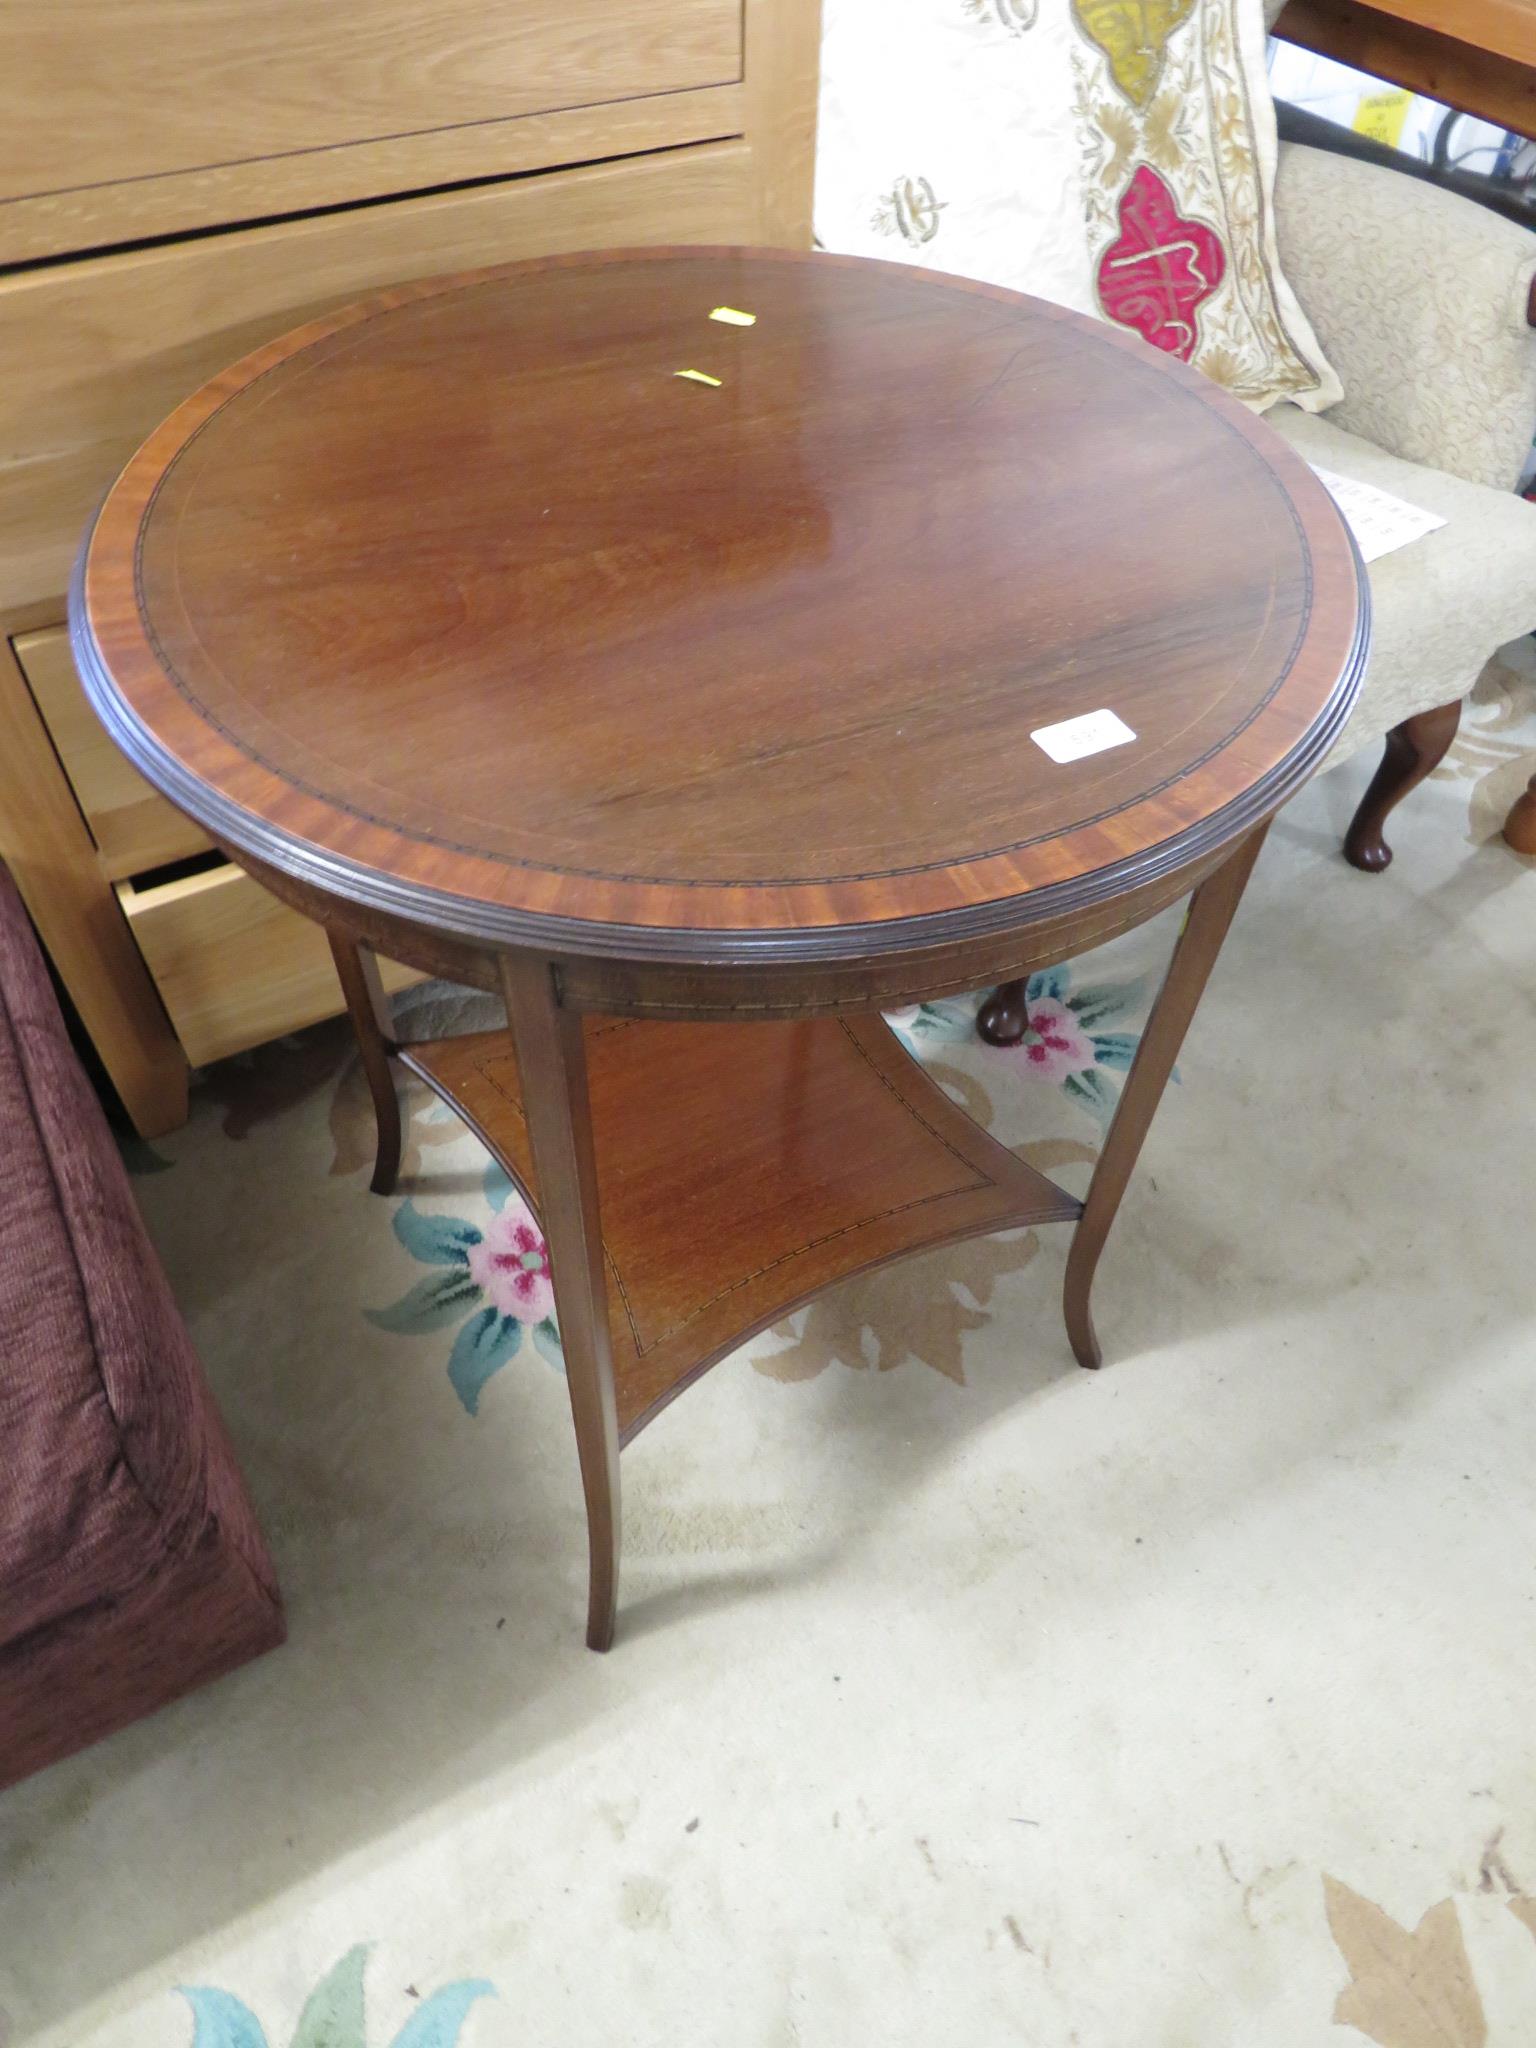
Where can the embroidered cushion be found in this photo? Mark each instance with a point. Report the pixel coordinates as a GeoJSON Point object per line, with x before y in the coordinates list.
{"type": "Point", "coordinates": [1117, 156]}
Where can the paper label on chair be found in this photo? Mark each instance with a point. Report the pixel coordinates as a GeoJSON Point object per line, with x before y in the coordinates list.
{"type": "Point", "coordinates": [1379, 522]}
{"type": "Point", "coordinates": [1076, 737]}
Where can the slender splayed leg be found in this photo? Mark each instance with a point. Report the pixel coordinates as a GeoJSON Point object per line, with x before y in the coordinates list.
{"type": "Point", "coordinates": [552, 1061]}
{"type": "Point", "coordinates": [368, 1007]}
{"type": "Point", "coordinates": [1211, 910]}
{"type": "Point", "coordinates": [1002, 1018]}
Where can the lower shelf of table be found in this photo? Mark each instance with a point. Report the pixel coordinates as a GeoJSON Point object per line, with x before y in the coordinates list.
{"type": "Point", "coordinates": [742, 1168]}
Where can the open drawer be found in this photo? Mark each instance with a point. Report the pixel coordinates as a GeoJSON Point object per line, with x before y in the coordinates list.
{"type": "Point", "coordinates": [133, 826]}
{"type": "Point", "coordinates": [234, 967]}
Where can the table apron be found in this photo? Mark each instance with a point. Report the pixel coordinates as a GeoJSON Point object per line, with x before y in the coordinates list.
{"type": "Point", "coordinates": [749, 990]}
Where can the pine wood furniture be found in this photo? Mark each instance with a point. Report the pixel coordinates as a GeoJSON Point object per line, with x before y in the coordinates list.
{"type": "Point", "coordinates": [696, 717]}
{"type": "Point", "coordinates": [159, 217]}
{"type": "Point", "coordinates": [1478, 55]}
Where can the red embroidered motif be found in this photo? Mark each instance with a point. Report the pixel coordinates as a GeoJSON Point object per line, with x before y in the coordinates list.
{"type": "Point", "coordinates": [1163, 268]}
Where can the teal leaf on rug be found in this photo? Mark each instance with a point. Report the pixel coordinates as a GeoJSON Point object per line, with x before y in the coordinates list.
{"type": "Point", "coordinates": [435, 1240]}
{"type": "Point", "coordinates": [950, 1021]}
{"type": "Point", "coordinates": [1091, 1088]}
{"type": "Point", "coordinates": [546, 1341]}
{"type": "Point", "coordinates": [437, 2024]}
{"type": "Point", "coordinates": [497, 1186]}
{"type": "Point", "coordinates": [1049, 985]}
{"type": "Point", "coordinates": [333, 2015]}
{"type": "Point", "coordinates": [481, 1349]}
{"type": "Point", "coordinates": [1097, 1005]}
{"type": "Point", "coordinates": [1115, 1049]}
{"type": "Point", "coordinates": [430, 1305]}
{"type": "Point", "coordinates": [220, 2020]}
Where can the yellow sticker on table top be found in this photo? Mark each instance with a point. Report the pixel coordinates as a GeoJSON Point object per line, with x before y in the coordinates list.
{"type": "Point", "coordinates": [699, 377]}
{"type": "Point", "coordinates": [732, 316]}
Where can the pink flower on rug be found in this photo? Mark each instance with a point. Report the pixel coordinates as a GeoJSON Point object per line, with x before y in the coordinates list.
{"type": "Point", "coordinates": [1065, 1043]}
{"type": "Point", "coordinates": [511, 1263]}
{"type": "Point", "coordinates": [1056, 1045]}
{"type": "Point", "coordinates": [495, 1277]}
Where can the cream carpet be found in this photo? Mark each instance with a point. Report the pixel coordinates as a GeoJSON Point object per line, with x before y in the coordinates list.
{"type": "Point", "coordinates": [960, 1696]}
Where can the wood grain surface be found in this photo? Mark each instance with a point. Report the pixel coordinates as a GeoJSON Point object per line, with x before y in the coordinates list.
{"type": "Point", "coordinates": [133, 826]}
{"type": "Point", "coordinates": [257, 189]}
{"type": "Point", "coordinates": [462, 605]}
{"type": "Point", "coordinates": [1476, 55]}
{"type": "Point", "coordinates": [233, 966]}
{"type": "Point", "coordinates": [94, 354]}
{"type": "Point", "coordinates": [782, 1162]}
{"type": "Point", "coordinates": [96, 92]}
{"type": "Point", "coordinates": [1503, 28]}
{"type": "Point", "coordinates": [46, 845]}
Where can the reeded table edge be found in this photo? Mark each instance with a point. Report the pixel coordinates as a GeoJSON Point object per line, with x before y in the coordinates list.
{"type": "Point", "coordinates": [500, 925]}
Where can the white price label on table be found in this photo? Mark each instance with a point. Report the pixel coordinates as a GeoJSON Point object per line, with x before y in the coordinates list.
{"type": "Point", "coordinates": [1074, 738]}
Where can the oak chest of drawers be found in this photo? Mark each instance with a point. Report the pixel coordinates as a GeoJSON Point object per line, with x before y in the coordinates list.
{"type": "Point", "coordinates": [180, 181]}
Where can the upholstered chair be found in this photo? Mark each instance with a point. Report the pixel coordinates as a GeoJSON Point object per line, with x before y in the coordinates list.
{"type": "Point", "coordinates": [1421, 301]}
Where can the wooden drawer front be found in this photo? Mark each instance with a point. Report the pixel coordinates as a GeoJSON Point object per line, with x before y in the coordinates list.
{"type": "Point", "coordinates": [115, 91]}
{"type": "Point", "coordinates": [93, 355]}
{"type": "Point", "coordinates": [134, 827]}
{"type": "Point", "coordinates": [235, 967]}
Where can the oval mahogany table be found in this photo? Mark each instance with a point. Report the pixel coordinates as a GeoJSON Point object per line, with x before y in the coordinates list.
{"type": "Point", "coordinates": [679, 677]}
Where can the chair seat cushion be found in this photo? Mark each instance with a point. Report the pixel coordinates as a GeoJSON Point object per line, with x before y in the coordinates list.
{"type": "Point", "coordinates": [1442, 605]}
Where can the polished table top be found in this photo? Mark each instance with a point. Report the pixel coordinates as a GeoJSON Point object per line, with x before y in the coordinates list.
{"type": "Point", "coordinates": [464, 604]}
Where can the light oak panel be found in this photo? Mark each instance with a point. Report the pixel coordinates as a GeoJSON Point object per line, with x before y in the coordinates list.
{"type": "Point", "coordinates": [96, 91]}
{"type": "Point", "coordinates": [133, 826]}
{"type": "Point", "coordinates": [94, 354]}
{"type": "Point", "coordinates": [44, 842]}
{"type": "Point", "coordinates": [234, 967]}
{"type": "Point", "coordinates": [225, 195]}
{"type": "Point", "coordinates": [782, 75]}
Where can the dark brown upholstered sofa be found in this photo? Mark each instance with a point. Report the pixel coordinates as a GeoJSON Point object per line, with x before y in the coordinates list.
{"type": "Point", "coordinates": [131, 1565]}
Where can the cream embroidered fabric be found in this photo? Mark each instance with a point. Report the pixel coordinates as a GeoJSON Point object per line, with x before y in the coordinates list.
{"type": "Point", "coordinates": [1117, 156]}
{"type": "Point", "coordinates": [947, 138]}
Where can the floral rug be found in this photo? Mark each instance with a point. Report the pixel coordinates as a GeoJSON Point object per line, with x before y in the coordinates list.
{"type": "Point", "coordinates": [958, 1695]}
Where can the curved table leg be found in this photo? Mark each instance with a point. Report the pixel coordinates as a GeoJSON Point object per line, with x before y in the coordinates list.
{"type": "Point", "coordinates": [1211, 910]}
{"type": "Point", "coordinates": [552, 1063]}
{"type": "Point", "coordinates": [368, 1007]}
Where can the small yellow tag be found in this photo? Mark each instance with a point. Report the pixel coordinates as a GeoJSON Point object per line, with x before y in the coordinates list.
{"type": "Point", "coordinates": [1383, 115]}
{"type": "Point", "coordinates": [698, 377]}
{"type": "Point", "coordinates": [733, 318]}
